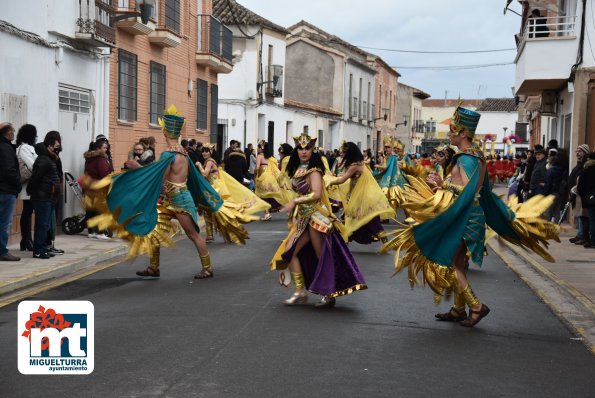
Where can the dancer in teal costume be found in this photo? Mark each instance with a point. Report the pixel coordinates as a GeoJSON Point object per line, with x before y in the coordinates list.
{"type": "Point", "coordinates": [128, 203]}
{"type": "Point", "coordinates": [450, 224]}
{"type": "Point", "coordinates": [389, 175]}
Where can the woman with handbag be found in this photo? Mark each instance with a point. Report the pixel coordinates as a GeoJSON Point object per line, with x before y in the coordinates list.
{"type": "Point", "coordinates": [586, 189]}
{"type": "Point", "coordinates": [26, 154]}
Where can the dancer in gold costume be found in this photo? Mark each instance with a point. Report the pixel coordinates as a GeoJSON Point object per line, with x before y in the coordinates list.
{"type": "Point", "coordinates": [266, 179]}
{"type": "Point", "coordinates": [129, 203]}
{"type": "Point", "coordinates": [450, 224]}
{"type": "Point", "coordinates": [234, 193]}
{"type": "Point", "coordinates": [365, 204]}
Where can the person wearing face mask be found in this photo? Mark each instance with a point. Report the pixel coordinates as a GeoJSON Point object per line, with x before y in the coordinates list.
{"type": "Point", "coordinates": [44, 187]}
{"type": "Point", "coordinates": [57, 208]}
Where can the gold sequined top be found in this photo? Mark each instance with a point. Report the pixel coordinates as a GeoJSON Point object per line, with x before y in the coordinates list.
{"type": "Point", "coordinates": [174, 188]}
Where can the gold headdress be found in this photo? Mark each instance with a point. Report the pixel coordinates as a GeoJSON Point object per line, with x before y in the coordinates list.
{"type": "Point", "coordinates": [464, 120]}
{"type": "Point", "coordinates": [388, 141]}
{"type": "Point", "coordinates": [209, 146]}
{"type": "Point", "coordinates": [172, 122]}
{"type": "Point", "coordinates": [303, 140]}
{"type": "Point", "coordinates": [398, 144]}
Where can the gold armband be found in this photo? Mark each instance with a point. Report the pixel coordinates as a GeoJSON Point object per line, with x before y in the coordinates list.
{"type": "Point", "coordinates": [309, 198]}
{"type": "Point", "coordinates": [456, 189]}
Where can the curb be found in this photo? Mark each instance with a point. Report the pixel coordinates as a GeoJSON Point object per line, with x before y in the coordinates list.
{"type": "Point", "coordinates": [119, 253]}
{"type": "Point", "coordinates": [61, 270]}
{"type": "Point", "coordinates": [574, 309]}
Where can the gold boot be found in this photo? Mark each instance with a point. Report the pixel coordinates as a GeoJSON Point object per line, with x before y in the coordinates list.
{"type": "Point", "coordinates": [300, 297]}
{"type": "Point", "coordinates": [209, 226]}
{"type": "Point", "coordinates": [472, 301]}
{"type": "Point", "coordinates": [152, 271]}
{"type": "Point", "coordinates": [206, 271]}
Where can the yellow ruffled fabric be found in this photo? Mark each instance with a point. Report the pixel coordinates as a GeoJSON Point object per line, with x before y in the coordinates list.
{"type": "Point", "coordinates": [340, 192]}
{"type": "Point", "coordinates": [232, 191]}
{"type": "Point", "coordinates": [365, 202]}
{"type": "Point", "coordinates": [161, 236]}
{"type": "Point", "coordinates": [534, 230]}
{"type": "Point", "coordinates": [267, 185]}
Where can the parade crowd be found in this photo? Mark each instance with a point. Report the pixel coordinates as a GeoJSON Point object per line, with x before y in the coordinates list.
{"type": "Point", "coordinates": [331, 198]}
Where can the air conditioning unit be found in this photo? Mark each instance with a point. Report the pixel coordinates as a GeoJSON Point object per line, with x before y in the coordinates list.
{"type": "Point", "coordinates": [549, 102]}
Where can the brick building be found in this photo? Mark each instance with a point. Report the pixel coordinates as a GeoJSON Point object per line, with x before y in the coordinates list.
{"type": "Point", "coordinates": [174, 59]}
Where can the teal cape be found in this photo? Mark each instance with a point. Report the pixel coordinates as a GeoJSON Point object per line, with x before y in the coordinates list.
{"type": "Point", "coordinates": [133, 195]}
{"type": "Point", "coordinates": [391, 176]}
{"type": "Point", "coordinates": [408, 160]}
{"type": "Point", "coordinates": [440, 237]}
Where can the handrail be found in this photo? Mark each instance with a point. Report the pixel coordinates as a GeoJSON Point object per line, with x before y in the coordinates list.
{"type": "Point", "coordinates": [549, 27]}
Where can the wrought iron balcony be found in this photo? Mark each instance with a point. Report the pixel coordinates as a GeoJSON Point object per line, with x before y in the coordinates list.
{"type": "Point", "coordinates": [215, 42]}
{"type": "Point", "coordinates": [94, 26]}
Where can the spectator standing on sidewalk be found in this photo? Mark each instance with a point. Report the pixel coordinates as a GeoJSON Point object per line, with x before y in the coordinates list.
{"type": "Point", "coordinates": [102, 138]}
{"type": "Point", "coordinates": [26, 139]}
{"type": "Point", "coordinates": [57, 208]}
{"type": "Point", "coordinates": [10, 186]}
{"type": "Point", "coordinates": [553, 186]}
{"type": "Point", "coordinates": [44, 187]}
{"type": "Point", "coordinates": [581, 215]}
{"type": "Point", "coordinates": [586, 189]}
{"type": "Point", "coordinates": [539, 174]}
{"type": "Point", "coordinates": [97, 167]}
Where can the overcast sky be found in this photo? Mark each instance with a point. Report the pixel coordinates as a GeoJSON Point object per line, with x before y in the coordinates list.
{"type": "Point", "coordinates": [428, 25]}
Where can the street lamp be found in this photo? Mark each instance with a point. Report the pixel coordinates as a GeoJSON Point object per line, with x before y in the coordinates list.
{"type": "Point", "coordinates": [146, 9]}
{"type": "Point", "coordinates": [399, 124]}
{"type": "Point", "coordinates": [382, 117]}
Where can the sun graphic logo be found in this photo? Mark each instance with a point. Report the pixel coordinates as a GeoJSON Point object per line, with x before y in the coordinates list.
{"type": "Point", "coordinates": [56, 337]}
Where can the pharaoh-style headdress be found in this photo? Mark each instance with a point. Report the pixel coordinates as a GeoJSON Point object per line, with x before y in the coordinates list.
{"type": "Point", "coordinates": [209, 146]}
{"type": "Point", "coordinates": [464, 120]}
{"type": "Point", "coordinates": [172, 122]}
{"type": "Point", "coordinates": [398, 144]}
{"type": "Point", "coordinates": [388, 141]}
{"type": "Point", "coordinates": [303, 140]}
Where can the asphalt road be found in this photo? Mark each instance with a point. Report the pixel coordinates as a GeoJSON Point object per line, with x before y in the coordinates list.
{"type": "Point", "coordinates": [231, 336]}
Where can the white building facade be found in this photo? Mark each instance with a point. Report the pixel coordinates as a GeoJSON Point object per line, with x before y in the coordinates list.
{"type": "Point", "coordinates": [555, 81]}
{"type": "Point", "coordinates": [252, 97]}
{"type": "Point", "coordinates": [46, 82]}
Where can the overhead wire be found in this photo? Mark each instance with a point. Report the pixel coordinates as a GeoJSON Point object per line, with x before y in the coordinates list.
{"type": "Point", "coordinates": [439, 52]}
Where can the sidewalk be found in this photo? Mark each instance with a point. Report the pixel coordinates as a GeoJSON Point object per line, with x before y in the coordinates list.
{"type": "Point", "coordinates": [566, 286]}
{"type": "Point", "coordinates": [80, 253]}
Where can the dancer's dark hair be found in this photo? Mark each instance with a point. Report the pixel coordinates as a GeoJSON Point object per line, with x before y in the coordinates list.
{"type": "Point", "coordinates": [294, 162]}
{"type": "Point", "coordinates": [352, 154]}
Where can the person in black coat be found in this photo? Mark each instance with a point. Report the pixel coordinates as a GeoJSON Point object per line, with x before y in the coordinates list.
{"type": "Point", "coordinates": [44, 188]}
{"type": "Point", "coordinates": [236, 165]}
{"type": "Point", "coordinates": [539, 174]}
{"type": "Point", "coordinates": [10, 186]}
{"type": "Point", "coordinates": [586, 189]}
{"type": "Point", "coordinates": [553, 186]}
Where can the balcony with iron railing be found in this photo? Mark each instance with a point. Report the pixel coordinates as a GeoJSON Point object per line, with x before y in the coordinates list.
{"type": "Point", "coordinates": [546, 51]}
{"type": "Point", "coordinates": [93, 25]}
{"type": "Point", "coordinates": [215, 44]}
{"type": "Point", "coordinates": [133, 23]}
